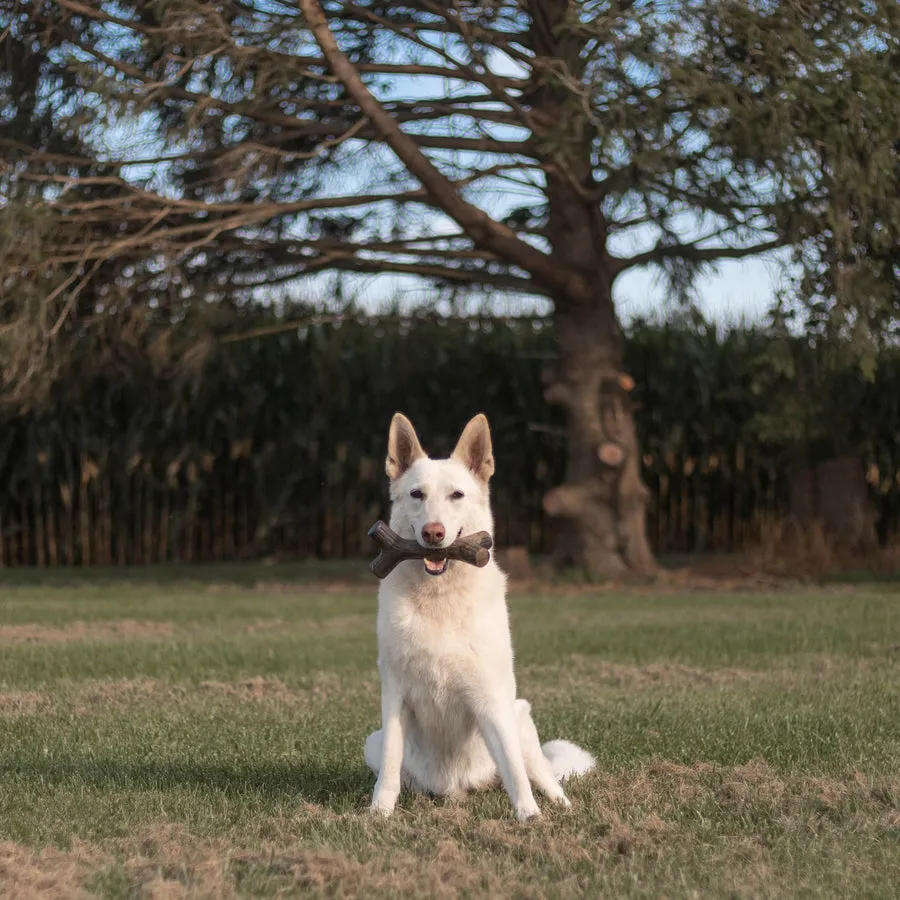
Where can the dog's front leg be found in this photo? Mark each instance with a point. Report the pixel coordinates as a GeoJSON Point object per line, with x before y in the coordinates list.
{"type": "Point", "coordinates": [501, 734]}
{"type": "Point", "coordinates": [387, 786]}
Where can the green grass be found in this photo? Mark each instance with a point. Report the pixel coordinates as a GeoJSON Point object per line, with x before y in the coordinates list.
{"type": "Point", "coordinates": [199, 733]}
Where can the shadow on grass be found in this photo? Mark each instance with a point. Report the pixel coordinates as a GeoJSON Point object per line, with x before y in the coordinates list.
{"type": "Point", "coordinates": [336, 786]}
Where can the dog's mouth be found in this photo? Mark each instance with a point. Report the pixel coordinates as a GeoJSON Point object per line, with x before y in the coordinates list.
{"type": "Point", "coordinates": [438, 566]}
{"type": "Point", "coordinates": [435, 566]}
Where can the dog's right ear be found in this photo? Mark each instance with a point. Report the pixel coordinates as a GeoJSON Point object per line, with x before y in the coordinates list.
{"type": "Point", "coordinates": [403, 447]}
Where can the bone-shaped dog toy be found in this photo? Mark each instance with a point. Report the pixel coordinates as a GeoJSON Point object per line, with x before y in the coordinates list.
{"type": "Point", "coordinates": [473, 549]}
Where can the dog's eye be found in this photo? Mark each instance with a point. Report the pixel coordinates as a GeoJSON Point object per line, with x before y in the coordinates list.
{"type": "Point", "coordinates": [417, 494]}
{"type": "Point", "coordinates": [457, 495]}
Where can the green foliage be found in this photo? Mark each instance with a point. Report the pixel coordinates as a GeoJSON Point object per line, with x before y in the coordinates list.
{"type": "Point", "coordinates": [698, 130]}
{"type": "Point", "coordinates": [277, 442]}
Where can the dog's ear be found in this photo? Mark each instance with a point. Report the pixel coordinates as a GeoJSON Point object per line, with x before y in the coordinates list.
{"type": "Point", "coordinates": [473, 449]}
{"type": "Point", "coordinates": [403, 447]}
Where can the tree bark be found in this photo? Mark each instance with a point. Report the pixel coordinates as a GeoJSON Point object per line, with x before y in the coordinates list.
{"type": "Point", "coordinates": [602, 503]}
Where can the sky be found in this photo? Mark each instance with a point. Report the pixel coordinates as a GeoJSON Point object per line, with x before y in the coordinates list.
{"type": "Point", "coordinates": [740, 291]}
{"type": "Point", "coordinates": [736, 291]}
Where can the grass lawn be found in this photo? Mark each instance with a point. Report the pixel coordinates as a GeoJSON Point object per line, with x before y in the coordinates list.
{"type": "Point", "coordinates": [201, 736]}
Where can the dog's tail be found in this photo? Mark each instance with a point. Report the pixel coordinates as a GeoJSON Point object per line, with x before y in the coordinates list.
{"type": "Point", "coordinates": [567, 759]}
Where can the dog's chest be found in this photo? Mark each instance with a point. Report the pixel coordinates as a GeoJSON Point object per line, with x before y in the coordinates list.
{"type": "Point", "coordinates": [439, 674]}
{"type": "Point", "coordinates": [450, 646]}
{"type": "Point", "coordinates": [430, 655]}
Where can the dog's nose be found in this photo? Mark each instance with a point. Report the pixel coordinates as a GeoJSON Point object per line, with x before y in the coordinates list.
{"type": "Point", "coordinates": [433, 532]}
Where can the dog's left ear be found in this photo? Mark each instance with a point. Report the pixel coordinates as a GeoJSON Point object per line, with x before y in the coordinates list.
{"type": "Point", "coordinates": [473, 449]}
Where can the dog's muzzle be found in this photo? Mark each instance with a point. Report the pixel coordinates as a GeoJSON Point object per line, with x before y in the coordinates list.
{"type": "Point", "coordinates": [438, 566]}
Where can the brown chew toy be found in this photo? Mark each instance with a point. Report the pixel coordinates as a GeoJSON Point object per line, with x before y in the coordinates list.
{"type": "Point", "coordinates": [473, 549]}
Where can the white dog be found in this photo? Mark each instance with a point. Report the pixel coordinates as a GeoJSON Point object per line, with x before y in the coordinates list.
{"type": "Point", "coordinates": [449, 714]}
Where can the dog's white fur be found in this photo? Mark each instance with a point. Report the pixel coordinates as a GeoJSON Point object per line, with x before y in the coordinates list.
{"type": "Point", "coordinates": [450, 718]}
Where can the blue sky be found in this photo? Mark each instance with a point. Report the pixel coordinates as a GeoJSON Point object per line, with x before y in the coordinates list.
{"type": "Point", "coordinates": [737, 290]}
{"type": "Point", "coordinates": [741, 290]}
{"type": "Point", "coordinates": [734, 291]}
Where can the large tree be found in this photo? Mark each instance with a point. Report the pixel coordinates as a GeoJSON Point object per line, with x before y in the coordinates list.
{"type": "Point", "coordinates": [204, 150]}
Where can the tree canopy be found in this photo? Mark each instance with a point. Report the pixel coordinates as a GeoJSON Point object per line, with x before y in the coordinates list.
{"type": "Point", "coordinates": [160, 154]}
{"type": "Point", "coordinates": [170, 161]}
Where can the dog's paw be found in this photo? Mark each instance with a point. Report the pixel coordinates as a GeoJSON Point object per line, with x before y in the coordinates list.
{"type": "Point", "coordinates": [527, 811]}
{"type": "Point", "coordinates": [563, 801]}
{"type": "Point", "coordinates": [381, 809]}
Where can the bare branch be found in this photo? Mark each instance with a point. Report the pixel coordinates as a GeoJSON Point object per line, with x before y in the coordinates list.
{"type": "Point", "coordinates": [330, 128]}
{"type": "Point", "coordinates": [483, 230]}
{"type": "Point", "coordinates": [693, 253]}
{"type": "Point", "coordinates": [345, 261]}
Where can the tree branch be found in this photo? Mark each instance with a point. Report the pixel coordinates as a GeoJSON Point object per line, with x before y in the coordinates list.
{"type": "Point", "coordinates": [693, 253]}
{"type": "Point", "coordinates": [329, 128]}
{"type": "Point", "coordinates": [483, 230]}
{"type": "Point", "coordinates": [345, 261]}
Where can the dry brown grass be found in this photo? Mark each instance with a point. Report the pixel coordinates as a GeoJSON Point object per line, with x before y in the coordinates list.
{"type": "Point", "coordinates": [331, 625]}
{"type": "Point", "coordinates": [449, 851]}
{"type": "Point", "coordinates": [165, 862]}
{"type": "Point", "coordinates": [22, 703]}
{"type": "Point", "coordinates": [256, 688]}
{"type": "Point", "coordinates": [114, 630]}
{"type": "Point", "coordinates": [28, 874]}
{"type": "Point", "coordinates": [95, 697]}
{"type": "Point", "coordinates": [577, 670]}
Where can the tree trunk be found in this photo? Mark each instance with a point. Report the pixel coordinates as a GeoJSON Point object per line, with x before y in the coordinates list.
{"type": "Point", "coordinates": [601, 505]}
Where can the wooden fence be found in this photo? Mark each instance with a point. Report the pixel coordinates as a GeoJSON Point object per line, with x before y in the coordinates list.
{"type": "Point", "coordinates": [218, 516]}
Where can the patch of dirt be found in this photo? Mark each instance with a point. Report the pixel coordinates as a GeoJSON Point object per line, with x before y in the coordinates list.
{"type": "Point", "coordinates": [333, 625]}
{"type": "Point", "coordinates": [106, 694]}
{"type": "Point", "coordinates": [580, 670]}
{"type": "Point", "coordinates": [22, 703]}
{"type": "Point", "coordinates": [262, 625]}
{"type": "Point", "coordinates": [113, 630]}
{"type": "Point", "coordinates": [255, 688]}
